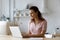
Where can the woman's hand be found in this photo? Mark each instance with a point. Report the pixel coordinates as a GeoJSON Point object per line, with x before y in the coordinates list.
{"type": "Point", "coordinates": [27, 35]}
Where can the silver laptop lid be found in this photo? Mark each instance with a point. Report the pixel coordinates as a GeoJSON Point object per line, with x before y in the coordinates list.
{"type": "Point", "coordinates": [15, 31]}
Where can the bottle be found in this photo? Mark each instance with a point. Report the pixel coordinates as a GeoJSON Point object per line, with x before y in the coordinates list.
{"type": "Point", "coordinates": [57, 30]}
{"type": "Point", "coordinates": [3, 18]}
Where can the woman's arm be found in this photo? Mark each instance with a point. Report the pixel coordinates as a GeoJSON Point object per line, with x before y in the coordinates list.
{"type": "Point", "coordinates": [36, 35]}
{"type": "Point", "coordinates": [44, 27]}
{"type": "Point", "coordinates": [27, 35]}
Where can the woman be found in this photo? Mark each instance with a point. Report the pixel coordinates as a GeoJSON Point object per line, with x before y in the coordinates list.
{"type": "Point", "coordinates": [37, 25]}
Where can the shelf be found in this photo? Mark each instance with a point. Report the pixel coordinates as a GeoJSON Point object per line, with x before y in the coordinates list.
{"type": "Point", "coordinates": [24, 16]}
{"type": "Point", "coordinates": [21, 16]}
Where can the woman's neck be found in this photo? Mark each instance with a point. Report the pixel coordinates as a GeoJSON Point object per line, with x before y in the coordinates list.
{"type": "Point", "coordinates": [36, 20]}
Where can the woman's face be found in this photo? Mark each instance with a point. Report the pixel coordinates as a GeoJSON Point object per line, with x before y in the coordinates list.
{"type": "Point", "coordinates": [33, 14]}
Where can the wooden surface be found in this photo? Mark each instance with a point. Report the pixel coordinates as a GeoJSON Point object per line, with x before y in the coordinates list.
{"type": "Point", "coordinates": [8, 37]}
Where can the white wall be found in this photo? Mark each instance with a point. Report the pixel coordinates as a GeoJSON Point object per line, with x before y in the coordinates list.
{"type": "Point", "coordinates": [5, 7]}
{"type": "Point", "coordinates": [21, 4]}
{"type": "Point", "coordinates": [39, 3]}
{"type": "Point", "coordinates": [53, 18]}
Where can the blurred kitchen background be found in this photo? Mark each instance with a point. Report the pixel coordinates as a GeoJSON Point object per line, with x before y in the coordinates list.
{"type": "Point", "coordinates": [16, 12]}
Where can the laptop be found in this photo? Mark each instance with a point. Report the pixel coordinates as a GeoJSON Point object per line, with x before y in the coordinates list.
{"type": "Point", "coordinates": [15, 32]}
